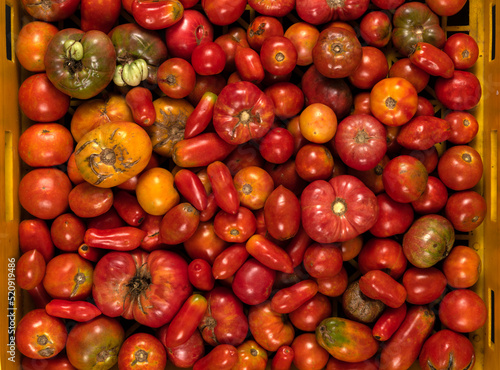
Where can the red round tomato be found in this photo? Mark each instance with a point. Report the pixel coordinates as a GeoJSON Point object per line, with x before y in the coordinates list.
{"type": "Point", "coordinates": [235, 228]}
{"type": "Point", "coordinates": [205, 243]}
{"type": "Point", "coordinates": [273, 8]}
{"type": "Point", "coordinates": [278, 55]}
{"type": "Point", "coordinates": [308, 316]}
{"type": "Point", "coordinates": [253, 282]}
{"type": "Point", "coordinates": [314, 162]}
{"type": "Point", "coordinates": [446, 7]}
{"type": "Point", "coordinates": [460, 167]}
{"type": "Point", "coordinates": [208, 59]}
{"type": "Point", "coordinates": [308, 354]}
{"type": "Point", "coordinates": [248, 66]}
{"type": "Point", "coordinates": [142, 350]}
{"type": "Point", "coordinates": [462, 49]}
{"type": "Point", "coordinates": [254, 185]}
{"type": "Point", "coordinates": [39, 335]}
{"type": "Point", "coordinates": [44, 192]}
{"type": "Point", "coordinates": [67, 232]}
{"type": "Point", "coordinates": [466, 210]}
{"type": "Point", "coordinates": [423, 285]}
{"type": "Point", "coordinates": [31, 44]}
{"type": "Point", "coordinates": [40, 101]}
{"type": "Point", "coordinates": [463, 311]}
{"type": "Point", "coordinates": [372, 68]}
{"type": "Point", "coordinates": [464, 127]}
{"type": "Point", "coordinates": [337, 210]}
{"type": "Point", "coordinates": [337, 52]}
{"type": "Point", "coordinates": [320, 11]}
{"type": "Point", "coordinates": [424, 107]}
{"type": "Point", "coordinates": [382, 254]}
{"type": "Point", "coordinates": [52, 11]}
{"type": "Point", "coordinates": [87, 200]}
{"type": "Point", "coordinates": [242, 112]}
{"type": "Point", "coordinates": [229, 42]}
{"type": "Point", "coordinates": [462, 267]}
{"type": "Point", "coordinates": [360, 141]}
{"type": "Point", "coordinates": [376, 29]}
{"type": "Point", "coordinates": [404, 68]}
{"type": "Point", "coordinates": [277, 145]}
{"type": "Point", "coordinates": [45, 145]}
{"type": "Point", "coordinates": [460, 92]}
{"type": "Point", "coordinates": [223, 12]}
{"type": "Point", "coordinates": [303, 36]}
{"type": "Point", "coordinates": [176, 78]}
{"type": "Point", "coordinates": [405, 178]}
{"type": "Point", "coordinates": [288, 99]}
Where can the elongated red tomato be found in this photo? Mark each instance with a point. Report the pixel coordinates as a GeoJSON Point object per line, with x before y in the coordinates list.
{"type": "Point", "coordinates": [225, 193]}
{"type": "Point", "coordinates": [289, 299]}
{"type": "Point", "coordinates": [186, 321]}
{"type": "Point", "coordinates": [199, 119]}
{"type": "Point", "coordinates": [124, 238]}
{"type": "Point", "coordinates": [80, 311]}
{"type": "Point", "coordinates": [269, 254]}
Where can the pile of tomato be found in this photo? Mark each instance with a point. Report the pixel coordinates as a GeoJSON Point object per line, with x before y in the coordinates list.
{"type": "Point", "coordinates": [208, 193]}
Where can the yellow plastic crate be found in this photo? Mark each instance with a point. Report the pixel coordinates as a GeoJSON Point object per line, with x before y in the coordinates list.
{"type": "Point", "coordinates": [481, 21]}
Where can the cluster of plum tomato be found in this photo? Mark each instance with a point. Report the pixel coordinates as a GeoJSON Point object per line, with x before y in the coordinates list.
{"type": "Point", "coordinates": [213, 194]}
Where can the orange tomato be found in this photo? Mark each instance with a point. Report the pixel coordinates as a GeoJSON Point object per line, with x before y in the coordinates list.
{"type": "Point", "coordinates": [96, 112]}
{"type": "Point", "coordinates": [393, 101]}
{"type": "Point", "coordinates": [155, 191]}
{"type": "Point", "coordinates": [318, 123]}
{"type": "Point", "coordinates": [168, 128]}
{"type": "Point", "coordinates": [254, 185]}
{"type": "Point", "coordinates": [112, 153]}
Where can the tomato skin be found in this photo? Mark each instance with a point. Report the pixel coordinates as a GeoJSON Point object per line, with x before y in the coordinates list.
{"type": "Point", "coordinates": [337, 53]}
{"type": "Point", "coordinates": [39, 335]}
{"type": "Point", "coordinates": [283, 358]}
{"type": "Point", "coordinates": [35, 234]}
{"type": "Point", "coordinates": [432, 60]}
{"type": "Point", "coordinates": [354, 212]}
{"type": "Point", "coordinates": [268, 253]}
{"type": "Point", "coordinates": [461, 92]}
{"type": "Point", "coordinates": [223, 12]}
{"type": "Point", "coordinates": [205, 243]}
{"type": "Point", "coordinates": [404, 178]}
{"type": "Point", "coordinates": [43, 192]}
{"type": "Point", "coordinates": [360, 141]}
{"type": "Point", "coordinates": [433, 199]}
{"type": "Point", "coordinates": [261, 28]}
{"type": "Point", "coordinates": [128, 208]}
{"type": "Point", "coordinates": [318, 123]}
{"type": "Point", "coordinates": [250, 289]}
{"type": "Point", "coordinates": [308, 354]}
{"type": "Point", "coordinates": [251, 356]}
{"type": "Point", "coordinates": [464, 127]}
{"type": "Point", "coordinates": [67, 232]}
{"type": "Point", "coordinates": [96, 15]}
{"type": "Point", "coordinates": [201, 150]}
{"type": "Point", "coordinates": [463, 311]}
{"type": "Point", "coordinates": [308, 315]}
{"type": "Point", "coordinates": [372, 68]}
{"type": "Point", "coordinates": [140, 102]}
{"type": "Point", "coordinates": [289, 299]}
{"type": "Point", "coordinates": [443, 345]}
{"type": "Point", "coordinates": [423, 285]}
{"type": "Point", "coordinates": [460, 167]}
{"type": "Point", "coordinates": [318, 12]}
{"type": "Point", "coordinates": [403, 348]}
{"type": "Point", "coordinates": [278, 55]}
{"type": "Point", "coordinates": [30, 269]}
{"type": "Point", "coordinates": [269, 328]}
{"type": "Point", "coordinates": [393, 101]}
{"type": "Point", "coordinates": [379, 285]}
{"type": "Point", "coordinates": [254, 185]}
{"type": "Point", "coordinates": [444, 7]}
{"type": "Point", "coordinates": [382, 254]}
{"type": "Point", "coordinates": [323, 260]}
{"type": "Point", "coordinates": [221, 357]}
{"type": "Point", "coordinates": [124, 238]}
{"type": "Point", "coordinates": [200, 274]}
{"type": "Point", "coordinates": [208, 59]}
{"type": "Point", "coordinates": [95, 343]}
{"type": "Point", "coordinates": [186, 321]}
{"type": "Point", "coordinates": [87, 200]}
{"type": "Point", "coordinates": [393, 217]}
{"type": "Point", "coordinates": [389, 322]}
{"type": "Point", "coordinates": [80, 311]}
{"type": "Point", "coordinates": [303, 36]}
{"type": "Point", "coordinates": [155, 191]}
{"type": "Point", "coordinates": [462, 267]}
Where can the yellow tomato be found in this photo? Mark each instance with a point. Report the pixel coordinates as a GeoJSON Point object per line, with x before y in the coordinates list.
{"type": "Point", "coordinates": [318, 123]}
{"type": "Point", "coordinates": [156, 192]}
{"type": "Point", "coordinates": [113, 153]}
